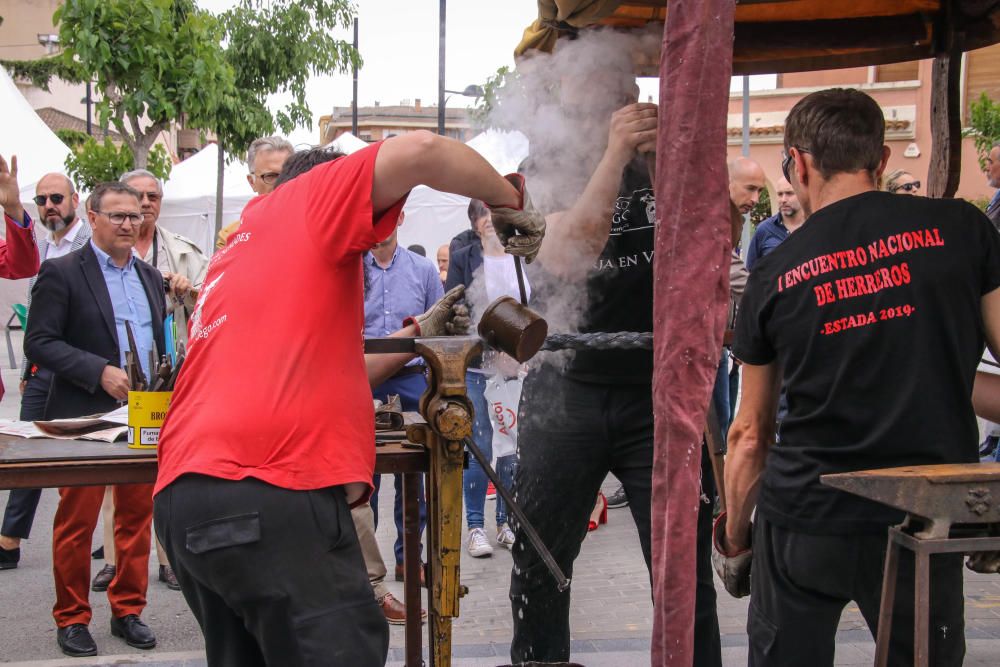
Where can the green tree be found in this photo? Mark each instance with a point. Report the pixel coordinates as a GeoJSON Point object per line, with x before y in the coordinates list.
{"type": "Point", "coordinates": [154, 61]}
{"type": "Point", "coordinates": [91, 162]}
{"type": "Point", "coordinates": [984, 126]}
{"type": "Point", "coordinates": [483, 115]}
{"type": "Point", "coordinates": [274, 46]}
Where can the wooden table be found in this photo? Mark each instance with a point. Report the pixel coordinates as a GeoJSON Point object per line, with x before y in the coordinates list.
{"type": "Point", "coordinates": [44, 463]}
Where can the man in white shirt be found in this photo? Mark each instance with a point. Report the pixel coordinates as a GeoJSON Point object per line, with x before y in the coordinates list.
{"type": "Point", "coordinates": [57, 202]}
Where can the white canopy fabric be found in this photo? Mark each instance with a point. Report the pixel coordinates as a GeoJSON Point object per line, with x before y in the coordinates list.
{"type": "Point", "coordinates": [22, 133]}
{"type": "Point", "coordinates": [189, 196]}
{"type": "Point", "coordinates": [347, 143]}
{"type": "Point", "coordinates": [433, 218]}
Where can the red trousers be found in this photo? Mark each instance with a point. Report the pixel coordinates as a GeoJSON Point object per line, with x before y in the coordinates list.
{"type": "Point", "coordinates": [72, 534]}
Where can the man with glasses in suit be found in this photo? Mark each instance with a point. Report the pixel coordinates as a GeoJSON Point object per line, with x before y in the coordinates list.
{"type": "Point", "coordinates": [265, 157]}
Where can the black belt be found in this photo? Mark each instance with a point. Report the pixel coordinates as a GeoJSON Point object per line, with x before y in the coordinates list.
{"type": "Point", "coordinates": [410, 370]}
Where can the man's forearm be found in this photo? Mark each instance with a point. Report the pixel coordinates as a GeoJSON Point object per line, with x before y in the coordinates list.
{"type": "Point", "coordinates": [744, 466]}
{"type": "Point", "coordinates": [381, 367]}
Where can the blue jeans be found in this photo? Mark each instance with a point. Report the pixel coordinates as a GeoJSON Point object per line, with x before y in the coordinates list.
{"type": "Point", "coordinates": [720, 393]}
{"type": "Point", "coordinates": [409, 388]}
{"type": "Point", "coordinates": [475, 479]}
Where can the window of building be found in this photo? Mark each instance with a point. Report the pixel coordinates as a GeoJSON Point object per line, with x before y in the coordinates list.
{"type": "Point", "coordinates": [982, 75]}
{"type": "Point", "coordinates": [908, 71]}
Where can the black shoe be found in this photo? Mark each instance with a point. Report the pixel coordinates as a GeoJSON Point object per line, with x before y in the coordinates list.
{"type": "Point", "coordinates": [168, 577]}
{"type": "Point", "coordinates": [75, 641]}
{"type": "Point", "coordinates": [135, 633]}
{"type": "Point", "coordinates": [103, 578]}
{"type": "Point", "coordinates": [618, 498]}
{"type": "Point", "coordinates": [9, 558]}
{"type": "Point", "coordinates": [98, 553]}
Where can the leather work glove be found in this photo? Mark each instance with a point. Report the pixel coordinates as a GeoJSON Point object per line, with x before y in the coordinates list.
{"type": "Point", "coordinates": [520, 230]}
{"type": "Point", "coordinates": [447, 317]}
{"type": "Point", "coordinates": [733, 569]}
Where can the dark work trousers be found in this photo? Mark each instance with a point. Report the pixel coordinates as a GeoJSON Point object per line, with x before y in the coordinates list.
{"type": "Point", "coordinates": [409, 388]}
{"type": "Point", "coordinates": [22, 503]}
{"type": "Point", "coordinates": [801, 583]}
{"type": "Point", "coordinates": [273, 576]}
{"type": "Point", "coordinates": [571, 435]}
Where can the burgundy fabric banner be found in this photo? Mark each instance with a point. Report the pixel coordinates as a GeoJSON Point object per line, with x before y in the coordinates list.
{"type": "Point", "coordinates": [690, 296]}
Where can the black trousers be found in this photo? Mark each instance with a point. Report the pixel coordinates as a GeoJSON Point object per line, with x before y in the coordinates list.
{"type": "Point", "coordinates": [22, 503]}
{"type": "Point", "coordinates": [801, 583]}
{"type": "Point", "coordinates": [571, 435]}
{"type": "Point", "coordinates": [273, 576]}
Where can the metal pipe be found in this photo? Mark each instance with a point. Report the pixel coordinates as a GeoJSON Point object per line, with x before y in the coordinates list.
{"type": "Point", "coordinates": [441, 42]}
{"type": "Point", "coordinates": [354, 107]}
{"type": "Point", "coordinates": [562, 583]}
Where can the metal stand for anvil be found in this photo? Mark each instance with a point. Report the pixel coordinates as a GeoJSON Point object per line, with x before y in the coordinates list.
{"type": "Point", "coordinates": [934, 497]}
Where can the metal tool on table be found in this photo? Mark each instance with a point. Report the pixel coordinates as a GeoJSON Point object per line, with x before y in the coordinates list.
{"type": "Point", "coordinates": [950, 508]}
{"type": "Point", "coordinates": [136, 377]}
{"type": "Point", "coordinates": [512, 327]}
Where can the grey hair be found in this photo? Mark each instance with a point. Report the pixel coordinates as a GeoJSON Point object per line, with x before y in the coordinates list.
{"type": "Point", "coordinates": [139, 173]}
{"type": "Point", "coordinates": [267, 144]}
{"type": "Point", "coordinates": [996, 144]}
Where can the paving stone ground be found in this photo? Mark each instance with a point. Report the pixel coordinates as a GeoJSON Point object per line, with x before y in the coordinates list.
{"type": "Point", "coordinates": [610, 617]}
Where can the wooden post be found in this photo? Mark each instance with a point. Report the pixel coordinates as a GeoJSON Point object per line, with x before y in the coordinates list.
{"type": "Point", "coordinates": [946, 127]}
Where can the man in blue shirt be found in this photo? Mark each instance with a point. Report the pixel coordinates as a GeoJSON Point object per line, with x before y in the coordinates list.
{"type": "Point", "coordinates": [776, 229]}
{"type": "Point", "coordinates": [398, 283]}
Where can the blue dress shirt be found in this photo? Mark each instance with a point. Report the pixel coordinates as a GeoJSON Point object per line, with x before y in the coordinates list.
{"type": "Point", "coordinates": [408, 287]}
{"type": "Point", "coordinates": [769, 235]}
{"type": "Point", "coordinates": [130, 304]}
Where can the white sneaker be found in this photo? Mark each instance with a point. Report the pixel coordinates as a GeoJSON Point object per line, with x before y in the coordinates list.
{"type": "Point", "coordinates": [505, 536]}
{"type": "Point", "coordinates": [479, 544]}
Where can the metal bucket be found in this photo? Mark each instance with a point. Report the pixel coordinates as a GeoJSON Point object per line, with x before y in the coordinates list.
{"type": "Point", "coordinates": [513, 328]}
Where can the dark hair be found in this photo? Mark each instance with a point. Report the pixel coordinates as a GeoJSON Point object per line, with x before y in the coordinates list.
{"type": "Point", "coordinates": [419, 249]}
{"type": "Point", "coordinates": [302, 161]}
{"type": "Point", "coordinates": [842, 128]}
{"type": "Point", "coordinates": [114, 187]}
{"type": "Point", "coordinates": [477, 209]}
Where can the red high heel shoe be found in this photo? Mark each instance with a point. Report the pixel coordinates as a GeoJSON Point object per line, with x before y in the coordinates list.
{"type": "Point", "coordinates": [600, 514]}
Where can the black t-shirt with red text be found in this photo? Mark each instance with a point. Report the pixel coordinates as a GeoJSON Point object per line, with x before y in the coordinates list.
{"type": "Point", "coordinates": [872, 310]}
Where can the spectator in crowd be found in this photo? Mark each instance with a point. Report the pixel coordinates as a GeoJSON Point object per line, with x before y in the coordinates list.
{"type": "Point", "coordinates": [417, 249]}
{"type": "Point", "coordinates": [993, 178]}
{"type": "Point", "coordinates": [271, 477]}
{"type": "Point", "coordinates": [265, 158]}
{"type": "Point", "coordinates": [56, 201]}
{"type": "Point", "coordinates": [81, 305]}
{"type": "Point", "coordinates": [488, 273]}
{"type": "Point", "coordinates": [902, 182]}
{"type": "Point", "coordinates": [443, 258]}
{"type": "Point", "coordinates": [814, 548]}
{"type": "Point", "coordinates": [471, 236]}
{"type": "Point", "coordinates": [399, 283]}
{"type": "Point", "coordinates": [772, 231]}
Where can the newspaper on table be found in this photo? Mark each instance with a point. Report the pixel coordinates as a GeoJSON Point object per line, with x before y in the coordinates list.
{"type": "Point", "coordinates": [104, 428]}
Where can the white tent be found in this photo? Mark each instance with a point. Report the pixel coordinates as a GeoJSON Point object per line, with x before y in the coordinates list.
{"type": "Point", "coordinates": [347, 143]}
{"type": "Point", "coordinates": [189, 196]}
{"type": "Point", "coordinates": [433, 218]}
{"type": "Point", "coordinates": [22, 133]}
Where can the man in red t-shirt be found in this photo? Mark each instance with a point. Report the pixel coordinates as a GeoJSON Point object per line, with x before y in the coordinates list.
{"type": "Point", "coordinates": [270, 436]}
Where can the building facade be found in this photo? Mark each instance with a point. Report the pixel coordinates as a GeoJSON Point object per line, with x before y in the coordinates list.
{"type": "Point", "coordinates": [380, 122]}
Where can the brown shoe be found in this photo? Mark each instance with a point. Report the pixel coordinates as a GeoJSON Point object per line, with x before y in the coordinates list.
{"type": "Point", "coordinates": [103, 578]}
{"type": "Point", "coordinates": [399, 574]}
{"type": "Point", "coordinates": [168, 577]}
{"type": "Point", "coordinates": [395, 611]}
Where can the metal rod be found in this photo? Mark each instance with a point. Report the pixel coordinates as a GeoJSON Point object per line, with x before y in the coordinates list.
{"type": "Point", "coordinates": [562, 583]}
{"type": "Point", "coordinates": [441, 42]}
{"type": "Point", "coordinates": [412, 567]}
{"type": "Point", "coordinates": [354, 105]}
{"type": "Point", "coordinates": [520, 280]}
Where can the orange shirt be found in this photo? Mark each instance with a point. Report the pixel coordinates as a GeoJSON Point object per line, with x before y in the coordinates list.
{"type": "Point", "coordinates": [274, 385]}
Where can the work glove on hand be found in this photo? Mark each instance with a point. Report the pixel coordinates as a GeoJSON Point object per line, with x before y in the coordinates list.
{"type": "Point", "coordinates": [447, 317]}
{"type": "Point", "coordinates": [520, 230]}
{"type": "Point", "coordinates": [733, 569]}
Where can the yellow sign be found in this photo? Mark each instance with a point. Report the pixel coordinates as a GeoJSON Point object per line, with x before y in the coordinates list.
{"type": "Point", "coordinates": [146, 412]}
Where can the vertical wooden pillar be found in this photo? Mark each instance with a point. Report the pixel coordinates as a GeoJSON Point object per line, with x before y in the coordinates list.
{"type": "Point", "coordinates": [946, 125]}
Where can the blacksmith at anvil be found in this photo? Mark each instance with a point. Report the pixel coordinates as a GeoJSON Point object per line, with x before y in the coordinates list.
{"type": "Point", "coordinates": [873, 316]}
{"type": "Point", "coordinates": [270, 436]}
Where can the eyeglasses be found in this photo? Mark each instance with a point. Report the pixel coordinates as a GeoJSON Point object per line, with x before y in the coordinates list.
{"type": "Point", "coordinates": [151, 197]}
{"type": "Point", "coordinates": [909, 187]}
{"type": "Point", "coordinates": [120, 218]}
{"type": "Point", "coordinates": [55, 198]}
{"type": "Point", "coordinates": [269, 178]}
{"type": "Point", "coordinates": [786, 161]}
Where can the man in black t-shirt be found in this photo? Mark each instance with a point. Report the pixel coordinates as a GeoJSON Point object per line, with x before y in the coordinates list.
{"type": "Point", "coordinates": [872, 302]}
{"type": "Point", "coordinates": [594, 414]}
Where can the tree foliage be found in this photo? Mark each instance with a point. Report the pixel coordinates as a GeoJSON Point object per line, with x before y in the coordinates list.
{"type": "Point", "coordinates": [91, 162]}
{"type": "Point", "coordinates": [273, 47]}
{"type": "Point", "coordinates": [154, 61]}
{"type": "Point", "coordinates": [484, 115]}
{"type": "Point", "coordinates": [984, 126]}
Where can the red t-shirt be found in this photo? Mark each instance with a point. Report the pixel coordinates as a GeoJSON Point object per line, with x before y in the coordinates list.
{"type": "Point", "coordinates": [274, 386]}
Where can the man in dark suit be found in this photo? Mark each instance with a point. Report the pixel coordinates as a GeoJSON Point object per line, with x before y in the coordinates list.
{"type": "Point", "coordinates": [76, 329]}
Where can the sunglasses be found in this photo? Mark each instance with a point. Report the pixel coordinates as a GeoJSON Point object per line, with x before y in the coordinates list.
{"type": "Point", "coordinates": [908, 187]}
{"type": "Point", "coordinates": [119, 219]}
{"type": "Point", "coordinates": [56, 199]}
{"type": "Point", "coordinates": [786, 161]}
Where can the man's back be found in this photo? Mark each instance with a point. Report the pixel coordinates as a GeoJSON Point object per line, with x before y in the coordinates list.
{"type": "Point", "coordinates": [873, 310]}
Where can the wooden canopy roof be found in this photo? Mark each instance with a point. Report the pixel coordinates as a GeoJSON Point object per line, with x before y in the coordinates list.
{"type": "Point", "coordinates": [796, 35]}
